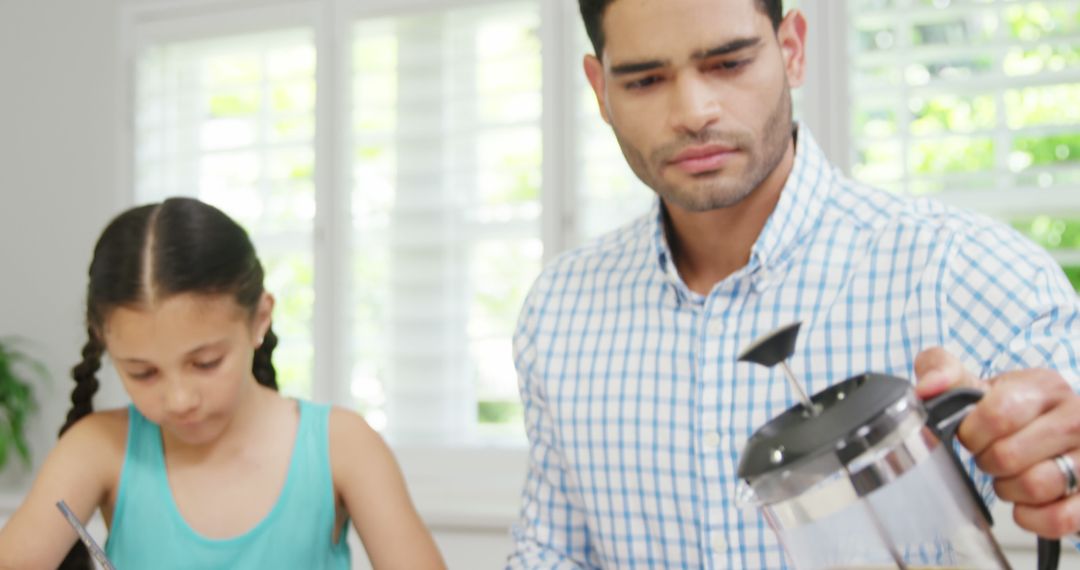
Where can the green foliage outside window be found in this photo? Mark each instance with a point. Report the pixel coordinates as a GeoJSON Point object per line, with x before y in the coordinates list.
{"type": "Point", "coordinates": [1041, 38]}
{"type": "Point", "coordinates": [952, 155]}
{"type": "Point", "coordinates": [1036, 106]}
{"type": "Point", "coordinates": [1055, 234]}
{"type": "Point", "coordinates": [234, 105]}
{"type": "Point", "coordinates": [499, 412]}
{"type": "Point", "coordinates": [1073, 273]}
{"type": "Point", "coordinates": [1052, 233]}
{"type": "Point", "coordinates": [953, 114]}
{"type": "Point", "coordinates": [1037, 59]}
{"type": "Point", "coordinates": [1040, 20]}
{"type": "Point", "coordinates": [1042, 151]}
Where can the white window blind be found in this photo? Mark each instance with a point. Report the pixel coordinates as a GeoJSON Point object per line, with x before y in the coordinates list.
{"type": "Point", "coordinates": [445, 141]}
{"type": "Point", "coordinates": [230, 119]}
{"type": "Point", "coordinates": [973, 101]}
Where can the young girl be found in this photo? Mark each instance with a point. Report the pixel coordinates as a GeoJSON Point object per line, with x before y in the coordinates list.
{"type": "Point", "coordinates": [209, 467]}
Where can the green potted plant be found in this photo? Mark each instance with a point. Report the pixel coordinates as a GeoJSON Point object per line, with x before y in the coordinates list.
{"type": "Point", "coordinates": [17, 371]}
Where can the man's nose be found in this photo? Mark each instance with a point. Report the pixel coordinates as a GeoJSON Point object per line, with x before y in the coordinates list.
{"type": "Point", "coordinates": [694, 104]}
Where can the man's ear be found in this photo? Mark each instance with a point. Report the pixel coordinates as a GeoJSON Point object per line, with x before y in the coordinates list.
{"type": "Point", "coordinates": [792, 38]}
{"type": "Point", "coordinates": [594, 72]}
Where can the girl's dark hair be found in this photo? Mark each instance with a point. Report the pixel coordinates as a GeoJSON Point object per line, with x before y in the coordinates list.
{"type": "Point", "coordinates": [148, 254]}
{"type": "Point", "coordinates": [592, 14]}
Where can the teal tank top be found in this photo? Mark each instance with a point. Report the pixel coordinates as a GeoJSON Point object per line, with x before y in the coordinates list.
{"type": "Point", "coordinates": [148, 531]}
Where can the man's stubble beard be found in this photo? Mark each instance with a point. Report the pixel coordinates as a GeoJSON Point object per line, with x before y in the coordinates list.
{"type": "Point", "coordinates": [716, 189]}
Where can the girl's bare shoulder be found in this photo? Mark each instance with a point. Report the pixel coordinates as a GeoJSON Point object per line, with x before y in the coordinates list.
{"type": "Point", "coordinates": [355, 446]}
{"type": "Point", "coordinates": [350, 429]}
{"type": "Point", "coordinates": [100, 435]}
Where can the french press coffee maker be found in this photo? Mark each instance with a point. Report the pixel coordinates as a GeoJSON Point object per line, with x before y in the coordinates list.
{"type": "Point", "coordinates": [863, 475]}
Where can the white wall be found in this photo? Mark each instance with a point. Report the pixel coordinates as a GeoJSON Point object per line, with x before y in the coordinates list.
{"type": "Point", "coordinates": [59, 184]}
{"type": "Point", "coordinates": [57, 177]}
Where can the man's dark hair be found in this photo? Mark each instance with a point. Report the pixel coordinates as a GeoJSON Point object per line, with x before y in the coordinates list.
{"type": "Point", "coordinates": [592, 13]}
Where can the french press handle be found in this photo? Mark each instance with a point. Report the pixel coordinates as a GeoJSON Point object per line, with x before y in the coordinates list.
{"type": "Point", "coordinates": [944, 415]}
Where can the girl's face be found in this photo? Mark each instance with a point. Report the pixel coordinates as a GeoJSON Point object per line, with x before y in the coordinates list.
{"type": "Point", "coordinates": [186, 360]}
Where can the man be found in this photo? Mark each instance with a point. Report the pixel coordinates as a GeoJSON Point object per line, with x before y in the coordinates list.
{"type": "Point", "coordinates": [636, 407]}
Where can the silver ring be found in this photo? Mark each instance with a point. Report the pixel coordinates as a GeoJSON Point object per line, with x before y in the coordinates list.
{"type": "Point", "coordinates": [1068, 469]}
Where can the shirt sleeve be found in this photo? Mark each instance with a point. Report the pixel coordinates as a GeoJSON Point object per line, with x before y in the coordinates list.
{"type": "Point", "coordinates": [1006, 305]}
{"type": "Point", "coordinates": [1012, 306]}
{"type": "Point", "coordinates": [551, 531]}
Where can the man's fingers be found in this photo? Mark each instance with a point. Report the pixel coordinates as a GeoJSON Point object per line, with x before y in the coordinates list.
{"type": "Point", "coordinates": [937, 371]}
{"type": "Point", "coordinates": [1017, 431]}
{"type": "Point", "coordinates": [1054, 520]}
{"type": "Point", "coordinates": [1017, 398]}
{"type": "Point", "coordinates": [1041, 484]}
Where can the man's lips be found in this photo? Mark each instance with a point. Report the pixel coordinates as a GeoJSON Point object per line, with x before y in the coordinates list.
{"type": "Point", "coordinates": [698, 159]}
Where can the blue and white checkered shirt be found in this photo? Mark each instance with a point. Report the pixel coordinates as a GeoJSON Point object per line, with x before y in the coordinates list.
{"type": "Point", "coordinates": [635, 406]}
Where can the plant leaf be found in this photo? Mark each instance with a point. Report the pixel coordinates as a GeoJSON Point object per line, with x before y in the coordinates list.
{"type": "Point", "coordinates": [17, 372]}
{"type": "Point", "coordinates": [5, 439]}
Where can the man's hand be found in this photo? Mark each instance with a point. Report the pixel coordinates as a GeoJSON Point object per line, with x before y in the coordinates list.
{"type": "Point", "coordinates": [1026, 419]}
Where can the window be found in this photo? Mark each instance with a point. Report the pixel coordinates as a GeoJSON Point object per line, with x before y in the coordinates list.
{"type": "Point", "coordinates": [405, 168]}
{"type": "Point", "coordinates": [397, 208]}
{"type": "Point", "coordinates": [231, 119]}
{"type": "Point", "coordinates": [972, 101]}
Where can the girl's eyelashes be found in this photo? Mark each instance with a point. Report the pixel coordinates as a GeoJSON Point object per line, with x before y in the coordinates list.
{"type": "Point", "coordinates": [209, 364]}
{"type": "Point", "coordinates": [204, 365]}
{"type": "Point", "coordinates": [142, 374]}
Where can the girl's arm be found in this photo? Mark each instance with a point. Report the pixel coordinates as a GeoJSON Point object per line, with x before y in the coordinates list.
{"type": "Point", "coordinates": [369, 481]}
{"type": "Point", "coordinates": [82, 470]}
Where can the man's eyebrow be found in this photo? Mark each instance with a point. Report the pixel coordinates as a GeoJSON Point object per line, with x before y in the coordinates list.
{"type": "Point", "coordinates": [649, 65]}
{"type": "Point", "coordinates": [730, 47]}
{"type": "Point", "coordinates": [637, 67]}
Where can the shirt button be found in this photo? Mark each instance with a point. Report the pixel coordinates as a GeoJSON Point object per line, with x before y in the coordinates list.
{"type": "Point", "coordinates": [716, 328]}
{"type": "Point", "coordinates": [718, 542]}
{"type": "Point", "coordinates": [764, 281]}
{"type": "Point", "coordinates": [712, 440]}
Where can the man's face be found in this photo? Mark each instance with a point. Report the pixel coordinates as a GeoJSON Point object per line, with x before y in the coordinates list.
{"type": "Point", "coordinates": [698, 94]}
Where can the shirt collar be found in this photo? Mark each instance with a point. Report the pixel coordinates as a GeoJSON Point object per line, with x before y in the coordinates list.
{"type": "Point", "coordinates": [797, 212]}
{"type": "Point", "coordinates": [799, 208]}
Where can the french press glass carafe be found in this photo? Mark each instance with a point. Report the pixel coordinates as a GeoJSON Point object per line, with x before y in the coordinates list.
{"type": "Point", "coordinates": [863, 475]}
